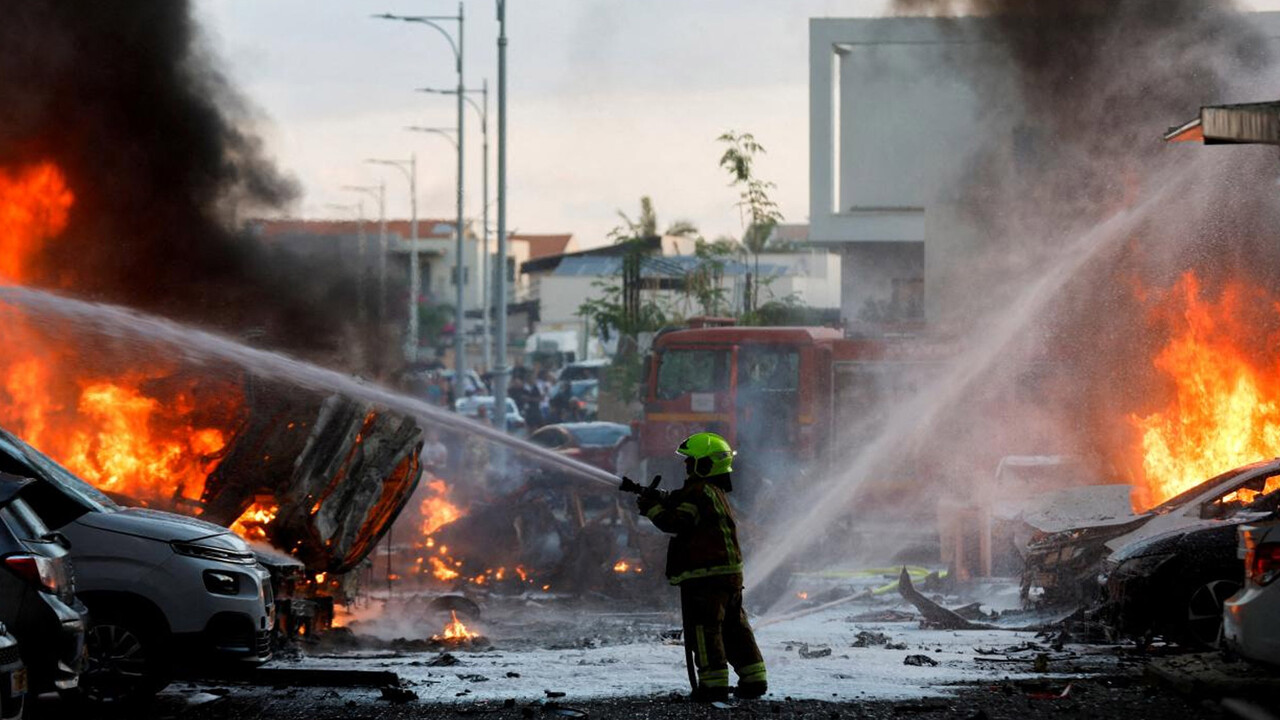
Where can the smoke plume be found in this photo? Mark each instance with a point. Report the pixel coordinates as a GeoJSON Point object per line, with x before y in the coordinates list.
{"type": "Point", "coordinates": [161, 155]}
{"type": "Point", "coordinates": [1053, 302]}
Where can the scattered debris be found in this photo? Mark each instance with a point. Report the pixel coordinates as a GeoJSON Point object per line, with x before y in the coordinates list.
{"type": "Point", "coordinates": [444, 660]}
{"type": "Point", "coordinates": [934, 614]}
{"type": "Point", "coordinates": [920, 661]}
{"type": "Point", "coordinates": [869, 639]}
{"type": "Point", "coordinates": [819, 652]}
{"type": "Point", "coordinates": [397, 694]}
{"type": "Point", "coordinates": [896, 646]}
{"type": "Point", "coordinates": [473, 677]}
{"type": "Point", "coordinates": [554, 693]}
{"type": "Point", "coordinates": [881, 616]}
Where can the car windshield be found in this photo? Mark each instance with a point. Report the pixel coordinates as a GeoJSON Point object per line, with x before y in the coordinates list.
{"type": "Point", "coordinates": [37, 464]}
{"type": "Point", "coordinates": [602, 435]}
{"type": "Point", "coordinates": [1187, 496]}
{"type": "Point", "coordinates": [689, 371]}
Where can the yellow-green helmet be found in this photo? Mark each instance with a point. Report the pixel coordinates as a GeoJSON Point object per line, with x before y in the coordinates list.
{"type": "Point", "coordinates": [710, 452]}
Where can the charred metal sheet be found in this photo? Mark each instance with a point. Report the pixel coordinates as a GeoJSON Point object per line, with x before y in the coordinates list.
{"type": "Point", "coordinates": [339, 470]}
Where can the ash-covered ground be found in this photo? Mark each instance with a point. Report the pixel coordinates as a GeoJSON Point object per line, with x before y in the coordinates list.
{"type": "Point", "coordinates": [544, 655]}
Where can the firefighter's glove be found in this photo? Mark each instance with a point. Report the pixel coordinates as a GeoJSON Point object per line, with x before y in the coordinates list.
{"type": "Point", "coordinates": [646, 502]}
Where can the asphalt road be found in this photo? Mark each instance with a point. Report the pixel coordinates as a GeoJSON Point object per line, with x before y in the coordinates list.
{"type": "Point", "coordinates": [1121, 698]}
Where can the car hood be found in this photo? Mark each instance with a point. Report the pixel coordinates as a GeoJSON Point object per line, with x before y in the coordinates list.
{"type": "Point", "coordinates": [155, 525]}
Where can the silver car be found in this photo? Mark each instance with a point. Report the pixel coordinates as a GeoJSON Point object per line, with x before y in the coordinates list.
{"type": "Point", "coordinates": [165, 592]}
{"type": "Point", "coordinates": [1251, 617]}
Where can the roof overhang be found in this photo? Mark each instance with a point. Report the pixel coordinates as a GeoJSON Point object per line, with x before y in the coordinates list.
{"type": "Point", "coordinates": [1257, 123]}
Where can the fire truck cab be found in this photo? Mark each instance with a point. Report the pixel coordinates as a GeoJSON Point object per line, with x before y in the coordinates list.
{"type": "Point", "coordinates": [784, 393]}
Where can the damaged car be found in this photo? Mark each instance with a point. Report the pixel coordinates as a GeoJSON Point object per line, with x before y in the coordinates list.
{"type": "Point", "coordinates": [163, 590]}
{"type": "Point", "coordinates": [1063, 567]}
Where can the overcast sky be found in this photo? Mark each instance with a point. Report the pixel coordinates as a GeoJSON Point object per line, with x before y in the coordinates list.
{"type": "Point", "coordinates": [608, 100]}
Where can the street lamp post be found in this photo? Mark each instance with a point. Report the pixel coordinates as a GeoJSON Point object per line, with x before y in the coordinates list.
{"type": "Point", "coordinates": [410, 169]}
{"type": "Point", "coordinates": [459, 339]}
{"type": "Point", "coordinates": [377, 192]}
{"type": "Point", "coordinates": [500, 371]}
{"type": "Point", "coordinates": [358, 209]}
{"type": "Point", "coordinates": [486, 302]}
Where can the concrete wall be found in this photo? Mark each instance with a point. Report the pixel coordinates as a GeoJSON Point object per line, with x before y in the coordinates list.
{"type": "Point", "coordinates": [894, 120]}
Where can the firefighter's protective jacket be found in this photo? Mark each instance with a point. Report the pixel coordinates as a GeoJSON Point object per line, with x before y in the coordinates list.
{"type": "Point", "coordinates": [706, 535]}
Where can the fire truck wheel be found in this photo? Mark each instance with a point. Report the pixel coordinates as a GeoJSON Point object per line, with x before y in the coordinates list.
{"type": "Point", "coordinates": [126, 660]}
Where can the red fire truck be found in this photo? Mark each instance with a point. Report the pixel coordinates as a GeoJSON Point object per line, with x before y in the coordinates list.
{"type": "Point", "coordinates": [793, 395]}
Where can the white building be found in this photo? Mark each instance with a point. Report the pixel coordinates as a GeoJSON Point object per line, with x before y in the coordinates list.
{"type": "Point", "coordinates": [894, 122]}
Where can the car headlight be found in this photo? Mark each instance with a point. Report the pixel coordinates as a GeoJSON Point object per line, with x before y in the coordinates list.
{"type": "Point", "coordinates": [221, 583]}
{"type": "Point", "coordinates": [1143, 565]}
{"type": "Point", "coordinates": [206, 552]}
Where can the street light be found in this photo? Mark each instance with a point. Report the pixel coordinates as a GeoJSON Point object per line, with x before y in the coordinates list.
{"type": "Point", "coordinates": [377, 192]}
{"type": "Point", "coordinates": [410, 170]}
{"type": "Point", "coordinates": [500, 372]}
{"type": "Point", "coordinates": [459, 274]}
{"type": "Point", "coordinates": [487, 302]}
{"type": "Point", "coordinates": [433, 21]}
{"type": "Point", "coordinates": [358, 210]}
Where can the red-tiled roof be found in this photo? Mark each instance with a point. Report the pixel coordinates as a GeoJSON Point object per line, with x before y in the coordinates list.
{"type": "Point", "coordinates": [427, 227]}
{"type": "Point", "coordinates": [544, 245]}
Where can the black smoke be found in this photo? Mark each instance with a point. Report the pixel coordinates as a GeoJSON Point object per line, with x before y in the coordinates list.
{"type": "Point", "coordinates": [1097, 82]}
{"type": "Point", "coordinates": [160, 151]}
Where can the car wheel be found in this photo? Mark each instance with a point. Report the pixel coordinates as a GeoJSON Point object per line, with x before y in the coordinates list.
{"type": "Point", "coordinates": [125, 662]}
{"type": "Point", "coordinates": [1203, 621]}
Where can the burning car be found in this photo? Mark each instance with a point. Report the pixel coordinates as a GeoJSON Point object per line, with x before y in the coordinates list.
{"type": "Point", "coordinates": [1174, 584]}
{"type": "Point", "coordinates": [1063, 566]}
{"type": "Point", "coordinates": [605, 445]}
{"type": "Point", "coordinates": [162, 589]}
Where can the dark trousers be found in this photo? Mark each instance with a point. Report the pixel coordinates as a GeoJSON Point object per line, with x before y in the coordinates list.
{"type": "Point", "coordinates": [716, 630]}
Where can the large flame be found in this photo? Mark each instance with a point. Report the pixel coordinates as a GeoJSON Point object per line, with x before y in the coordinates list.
{"type": "Point", "coordinates": [437, 511]}
{"type": "Point", "coordinates": [1225, 410]}
{"type": "Point", "coordinates": [126, 426]}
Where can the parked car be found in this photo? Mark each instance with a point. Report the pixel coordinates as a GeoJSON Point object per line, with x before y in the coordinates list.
{"type": "Point", "coordinates": [1064, 565]}
{"type": "Point", "coordinates": [574, 401]}
{"type": "Point", "coordinates": [1175, 583]}
{"type": "Point", "coordinates": [605, 445]}
{"type": "Point", "coordinates": [13, 677]}
{"type": "Point", "coordinates": [1250, 618]}
{"type": "Point", "coordinates": [37, 594]}
{"type": "Point", "coordinates": [164, 591]}
{"type": "Point", "coordinates": [584, 370]}
{"type": "Point", "coordinates": [472, 407]}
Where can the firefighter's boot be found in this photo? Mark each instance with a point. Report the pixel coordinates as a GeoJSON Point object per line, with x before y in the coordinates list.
{"type": "Point", "coordinates": [706, 694]}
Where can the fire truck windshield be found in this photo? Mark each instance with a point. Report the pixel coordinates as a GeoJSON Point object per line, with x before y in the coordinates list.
{"type": "Point", "coordinates": [688, 371]}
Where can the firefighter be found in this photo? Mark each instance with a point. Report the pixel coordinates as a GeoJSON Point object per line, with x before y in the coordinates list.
{"type": "Point", "coordinates": [705, 561]}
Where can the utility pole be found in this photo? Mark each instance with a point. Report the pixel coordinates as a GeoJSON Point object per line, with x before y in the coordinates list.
{"type": "Point", "coordinates": [500, 302]}
{"type": "Point", "coordinates": [486, 290]}
{"type": "Point", "coordinates": [377, 192]}
{"type": "Point", "coordinates": [410, 169]}
{"type": "Point", "coordinates": [459, 339]}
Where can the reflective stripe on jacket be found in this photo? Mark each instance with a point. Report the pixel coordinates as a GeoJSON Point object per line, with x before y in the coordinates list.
{"type": "Point", "coordinates": [706, 535]}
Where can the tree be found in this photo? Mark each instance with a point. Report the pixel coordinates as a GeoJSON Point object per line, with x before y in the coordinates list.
{"type": "Point", "coordinates": [760, 214]}
{"type": "Point", "coordinates": [646, 225]}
